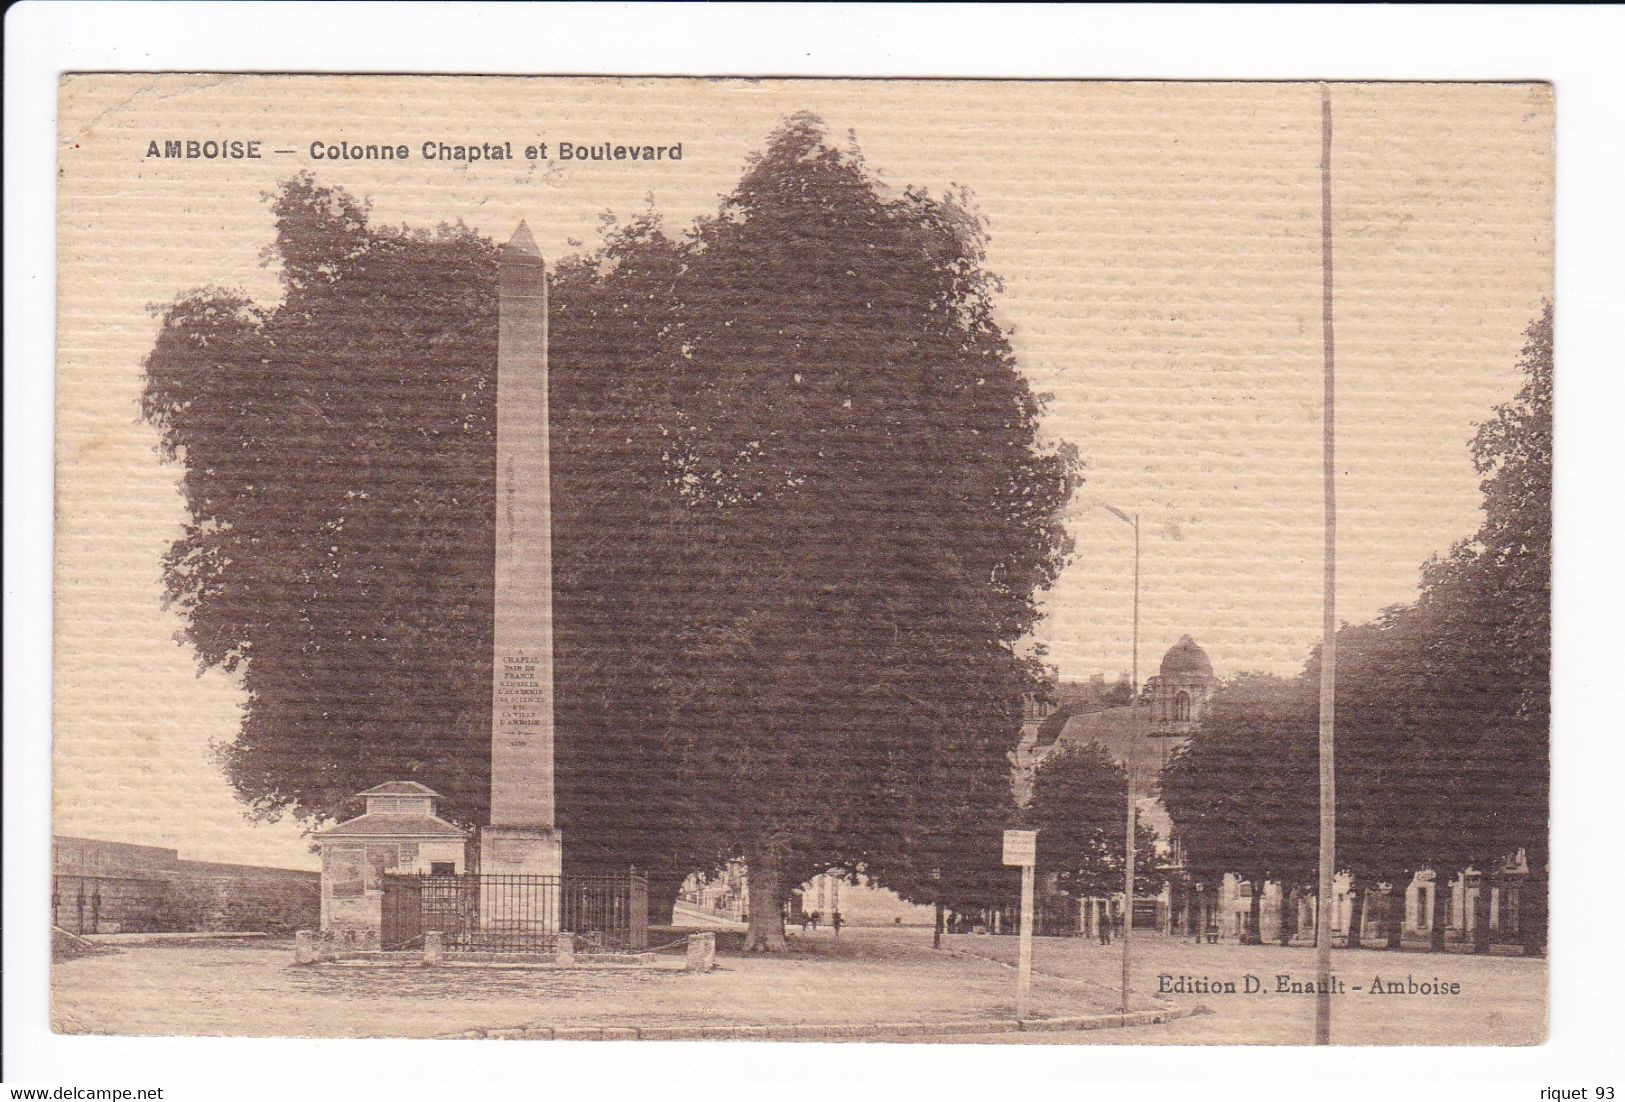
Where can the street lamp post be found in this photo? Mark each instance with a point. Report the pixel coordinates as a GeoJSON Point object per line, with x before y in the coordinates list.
{"type": "Point", "coordinates": [1328, 648]}
{"type": "Point", "coordinates": [1128, 764]}
{"type": "Point", "coordinates": [1129, 773]}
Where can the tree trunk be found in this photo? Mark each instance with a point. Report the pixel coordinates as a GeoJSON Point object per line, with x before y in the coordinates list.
{"type": "Point", "coordinates": [1356, 915]}
{"type": "Point", "coordinates": [1441, 906]}
{"type": "Point", "coordinates": [1481, 916]}
{"type": "Point", "coordinates": [1255, 926]}
{"type": "Point", "coordinates": [1396, 912]}
{"type": "Point", "coordinates": [1288, 918]}
{"type": "Point", "coordinates": [663, 889]}
{"type": "Point", "coordinates": [936, 935]}
{"type": "Point", "coordinates": [765, 932]}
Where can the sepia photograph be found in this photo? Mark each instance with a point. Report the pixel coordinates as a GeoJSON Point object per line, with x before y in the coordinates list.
{"type": "Point", "coordinates": [1011, 562]}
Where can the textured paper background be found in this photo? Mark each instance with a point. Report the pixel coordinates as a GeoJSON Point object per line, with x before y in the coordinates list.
{"type": "Point", "coordinates": [1160, 248]}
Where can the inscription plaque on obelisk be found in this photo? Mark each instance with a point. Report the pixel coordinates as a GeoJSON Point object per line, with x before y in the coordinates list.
{"type": "Point", "coordinates": [522, 837]}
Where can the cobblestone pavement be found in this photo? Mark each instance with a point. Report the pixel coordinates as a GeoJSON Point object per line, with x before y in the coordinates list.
{"type": "Point", "coordinates": [1502, 999]}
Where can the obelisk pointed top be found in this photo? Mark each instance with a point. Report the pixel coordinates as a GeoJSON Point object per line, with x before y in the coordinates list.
{"type": "Point", "coordinates": [521, 244]}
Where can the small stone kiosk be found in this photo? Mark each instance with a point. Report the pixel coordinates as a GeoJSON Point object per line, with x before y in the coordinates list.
{"type": "Point", "coordinates": [399, 832]}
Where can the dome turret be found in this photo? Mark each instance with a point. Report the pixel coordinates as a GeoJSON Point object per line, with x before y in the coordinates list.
{"type": "Point", "coordinates": [1186, 659]}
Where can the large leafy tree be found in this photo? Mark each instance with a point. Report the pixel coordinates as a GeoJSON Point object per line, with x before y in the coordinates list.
{"type": "Point", "coordinates": [861, 450]}
{"type": "Point", "coordinates": [335, 454]}
{"type": "Point", "coordinates": [1242, 792]}
{"type": "Point", "coordinates": [949, 850]}
{"type": "Point", "coordinates": [1512, 451]}
{"type": "Point", "coordinates": [1386, 788]}
{"type": "Point", "coordinates": [1445, 702]}
{"type": "Point", "coordinates": [800, 522]}
{"type": "Point", "coordinates": [626, 549]}
{"type": "Point", "coordinates": [1079, 805]}
{"type": "Point", "coordinates": [337, 457]}
{"type": "Point", "coordinates": [1485, 622]}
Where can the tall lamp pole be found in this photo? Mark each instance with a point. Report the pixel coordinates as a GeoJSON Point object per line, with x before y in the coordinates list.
{"type": "Point", "coordinates": [1328, 646]}
{"type": "Point", "coordinates": [1128, 766]}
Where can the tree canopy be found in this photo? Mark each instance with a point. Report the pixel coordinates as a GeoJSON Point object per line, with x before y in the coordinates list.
{"type": "Point", "coordinates": [800, 517]}
{"type": "Point", "coordinates": [1442, 705]}
{"type": "Point", "coordinates": [335, 454]}
{"type": "Point", "coordinates": [1242, 792]}
{"type": "Point", "coordinates": [860, 450]}
{"type": "Point", "coordinates": [1079, 805]}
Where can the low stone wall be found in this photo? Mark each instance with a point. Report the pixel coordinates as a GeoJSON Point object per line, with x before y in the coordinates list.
{"type": "Point", "coordinates": [277, 905]}
{"type": "Point", "coordinates": [107, 904]}
{"type": "Point", "coordinates": [146, 889]}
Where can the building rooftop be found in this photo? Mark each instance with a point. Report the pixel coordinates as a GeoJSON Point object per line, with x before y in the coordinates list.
{"type": "Point", "coordinates": [1126, 734]}
{"type": "Point", "coordinates": [1186, 658]}
{"type": "Point", "coordinates": [374, 824]}
{"type": "Point", "coordinates": [399, 788]}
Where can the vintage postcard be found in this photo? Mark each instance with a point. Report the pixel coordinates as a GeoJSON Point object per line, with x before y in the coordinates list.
{"type": "Point", "coordinates": [869, 560]}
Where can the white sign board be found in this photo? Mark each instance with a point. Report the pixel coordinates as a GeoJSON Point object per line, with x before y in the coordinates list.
{"type": "Point", "coordinates": [1021, 847]}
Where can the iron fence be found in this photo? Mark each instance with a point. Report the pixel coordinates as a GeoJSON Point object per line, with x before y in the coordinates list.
{"type": "Point", "coordinates": [515, 913]}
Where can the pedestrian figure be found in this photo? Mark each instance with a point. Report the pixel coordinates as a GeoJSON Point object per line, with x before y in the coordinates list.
{"type": "Point", "coordinates": [835, 921]}
{"type": "Point", "coordinates": [817, 917]}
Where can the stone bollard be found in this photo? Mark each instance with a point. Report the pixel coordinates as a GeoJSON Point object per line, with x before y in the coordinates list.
{"type": "Point", "coordinates": [565, 953]}
{"type": "Point", "coordinates": [305, 948]}
{"type": "Point", "coordinates": [434, 947]}
{"type": "Point", "coordinates": [702, 952]}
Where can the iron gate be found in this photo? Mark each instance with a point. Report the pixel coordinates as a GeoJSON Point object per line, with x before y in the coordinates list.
{"type": "Point", "coordinates": [401, 921]}
{"type": "Point", "coordinates": [513, 913]}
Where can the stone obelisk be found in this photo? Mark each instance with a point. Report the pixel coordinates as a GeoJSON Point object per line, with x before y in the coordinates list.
{"type": "Point", "coordinates": [522, 837]}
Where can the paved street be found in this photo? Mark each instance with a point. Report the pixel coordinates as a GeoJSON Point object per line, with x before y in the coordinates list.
{"type": "Point", "coordinates": [864, 976]}
{"type": "Point", "coordinates": [254, 989]}
{"type": "Point", "coordinates": [1502, 999]}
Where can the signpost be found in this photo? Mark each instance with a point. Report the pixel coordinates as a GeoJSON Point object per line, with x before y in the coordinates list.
{"type": "Point", "coordinates": [1021, 848]}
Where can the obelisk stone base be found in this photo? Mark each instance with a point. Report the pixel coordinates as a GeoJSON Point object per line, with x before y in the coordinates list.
{"type": "Point", "coordinates": [527, 907]}
{"type": "Point", "coordinates": [522, 851]}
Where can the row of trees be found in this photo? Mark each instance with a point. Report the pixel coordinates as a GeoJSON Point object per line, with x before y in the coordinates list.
{"type": "Point", "coordinates": [1442, 708]}
{"type": "Point", "coordinates": [800, 518]}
